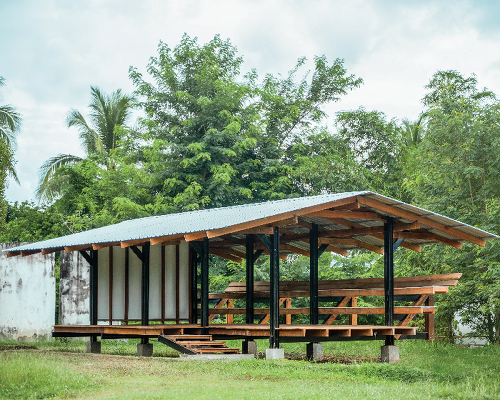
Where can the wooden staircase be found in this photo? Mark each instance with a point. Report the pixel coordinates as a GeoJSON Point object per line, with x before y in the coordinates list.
{"type": "Point", "coordinates": [196, 344]}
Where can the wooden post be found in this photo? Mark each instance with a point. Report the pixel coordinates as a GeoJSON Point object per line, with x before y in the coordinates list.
{"type": "Point", "coordinates": [145, 285]}
{"type": "Point", "coordinates": [353, 318]}
{"type": "Point", "coordinates": [250, 242]}
{"type": "Point", "coordinates": [93, 287]}
{"type": "Point", "coordinates": [389, 276]}
{"type": "Point", "coordinates": [313, 280]}
{"type": "Point", "coordinates": [274, 289]}
{"type": "Point", "coordinates": [204, 284]}
{"type": "Point", "coordinates": [429, 319]}
{"type": "Point", "coordinates": [194, 286]}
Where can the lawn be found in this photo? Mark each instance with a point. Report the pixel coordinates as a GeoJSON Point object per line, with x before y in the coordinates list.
{"type": "Point", "coordinates": [426, 371]}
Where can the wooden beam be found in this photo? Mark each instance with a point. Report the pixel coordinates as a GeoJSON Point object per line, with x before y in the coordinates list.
{"type": "Point", "coordinates": [427, 236]}
{"type": "Point", "coordinates": [190, 237]}
{"type": "Point", "coordinates": [276, 218]}
{"type": "Point", "coordinates": [224, 254]}
{"type": "Point", "coordinates": [13, 253]}
{"type": "Point", "coordinates": [99, 246]}
{"type": "Point", "coordinates": [135, 242]}
{"type": "Point", "coordinates": [348, 214]}
{"type": "Point", "coordinates": [425, 221]}
{"type": "Point", "coordinates": [69, 249]}
{"type": "Point", "coordinates": [163, 239]}
{"type": "Point", "coordinates": [349, 224]}
{"type": "Point", "coordinates": [295, 249]}
{"type": "Point", "coordinates": [26, 253]}
{"type": "Point", "coordinates": [351, 242]}
{"type": "Point", "coordinates": [375, 229]}
{"type": "Point", "coordinates": [53, 250]}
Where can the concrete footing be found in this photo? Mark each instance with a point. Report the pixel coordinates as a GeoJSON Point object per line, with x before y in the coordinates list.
{"type": "Point", "coordinates": [314, 351]}
{"type": "Point", "coordinates": [145, 349]}
{"type": "Point", "coordinates": [275, 354]}
{"type": "Point", "coordinates": [390, 354]}
{"type": "Point", "coordinates": [249, 347]}
{"type": "Point", "coordinates": [93, 347]}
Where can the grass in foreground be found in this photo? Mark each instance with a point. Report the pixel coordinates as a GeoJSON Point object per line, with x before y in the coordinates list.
{"type": "Point", "coordinates": [427, 371]}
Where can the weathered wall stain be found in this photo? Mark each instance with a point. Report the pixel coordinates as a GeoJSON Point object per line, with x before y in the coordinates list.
{"type": "Point", "coordinates": [27, 295]}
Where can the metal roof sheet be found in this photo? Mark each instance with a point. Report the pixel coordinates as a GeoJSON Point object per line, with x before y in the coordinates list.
{"type": "Point", "coordinates": [219, 218]}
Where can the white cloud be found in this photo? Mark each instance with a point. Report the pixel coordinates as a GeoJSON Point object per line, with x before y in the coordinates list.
{"type": "Point", "coordinates": [56, 49]}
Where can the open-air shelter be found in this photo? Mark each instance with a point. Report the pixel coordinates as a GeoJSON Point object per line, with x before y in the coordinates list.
{"type": "Point", "coordinates": [149, 276]}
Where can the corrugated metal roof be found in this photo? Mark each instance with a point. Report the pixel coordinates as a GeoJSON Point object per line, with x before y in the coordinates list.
{"type": "Point", "coordinates": [219, 218]}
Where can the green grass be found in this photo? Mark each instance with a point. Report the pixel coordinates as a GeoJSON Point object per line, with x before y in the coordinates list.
{"type": "Point", "coordinates": [426, 371]}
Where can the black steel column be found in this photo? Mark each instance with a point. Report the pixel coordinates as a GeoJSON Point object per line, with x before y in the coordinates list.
{"type": "Point", "coordinates": [314, 275]}
{"type": "Point", "coordinates": [94, 265]}
{"type": "Point", "coordinates": [389, 276]}
{"type": "Point", "coordinates": [145, 285]}
{"type": "Point", "coordinates": [194, 287]}
{"type": "Point", "coordinates": [204, 284]}
{"type": "Point", "coordinates": [274, 283]}
{"type": "Point", "coordinates": [250, 241]}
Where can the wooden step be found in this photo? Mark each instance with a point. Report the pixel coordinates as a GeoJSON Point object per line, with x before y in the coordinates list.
{"type": "Point", "coordinates": [225, 350]}
{"type": "Point", "coordinates": [202, 343]}
{"type": "Point", "coordinates": [189, 337]}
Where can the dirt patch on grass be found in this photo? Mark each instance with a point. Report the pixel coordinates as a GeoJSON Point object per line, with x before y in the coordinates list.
{"type": "Point", "coordinates": [348, 360]}
{"type": "Point", "coordinates": [17, 347]}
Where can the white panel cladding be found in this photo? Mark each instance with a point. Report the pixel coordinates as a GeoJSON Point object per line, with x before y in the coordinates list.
{"type": "Point", "coordinates": [134, 286]}
{"type": "Point", "coordinates": [103, 283]}
{"type": "Point", "coordinates": [184, 280]}
{"type": "Point", "coordinates": [27, 295]}
{"type": "Point", "coordinates": [74, 289]}
{"type": "Point", "coordinates": [170, 282]}
{"type": "Point", "coordinates": [118, 283]}
{"type": "Point", "coordinates": [155, 282]}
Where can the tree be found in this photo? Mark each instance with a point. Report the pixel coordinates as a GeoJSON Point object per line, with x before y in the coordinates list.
{"type": "Point", "coordinates": [221, 138]}
{"type": "Point", "coordinates": [455, 171]}
{"type": "Point", "coordinates": [98, 137]}
{"type": "Point", "coordinates": [10, 123]}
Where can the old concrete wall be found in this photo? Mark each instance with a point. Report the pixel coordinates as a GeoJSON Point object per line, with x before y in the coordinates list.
{"type": "Point", "coordinates": [27, 295]}
{"type": "Point", "coordinates": [74, 290]}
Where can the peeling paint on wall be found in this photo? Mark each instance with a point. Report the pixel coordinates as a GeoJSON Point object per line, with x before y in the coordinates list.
{"type": "Point", "coordinates": [27, 295]}
{"type": "Point", "coordinates": [74, 290]}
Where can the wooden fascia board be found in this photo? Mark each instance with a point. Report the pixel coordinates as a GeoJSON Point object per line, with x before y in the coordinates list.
{"type": "Point", "coordinates": [135, 242]}
{"type": "Point", "coordinates": [52, 250]}
{"type": "Point", "coordinates": [423, 220]}
{"type": "Point", "coordinates": [69, 249]}
{"type": "Point", "coordinates": [191, 237]}
{"type": "Point", "coordinates": [99, 246]}
{"type": "Point", "coordinates": [163, 239]}
{"type": "Point", "coordinates": [13, 253]}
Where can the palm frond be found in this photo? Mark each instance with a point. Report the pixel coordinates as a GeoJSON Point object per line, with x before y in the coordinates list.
{"type": "Point", "coordinates": [47, 174]}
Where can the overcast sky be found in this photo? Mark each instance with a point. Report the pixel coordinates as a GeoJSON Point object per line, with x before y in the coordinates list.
{"type": "Point", "coordinates": [52, 51]}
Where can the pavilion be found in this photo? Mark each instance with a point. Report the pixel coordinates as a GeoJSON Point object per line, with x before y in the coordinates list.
{"type": "Point", "coordinates": [144, 272]}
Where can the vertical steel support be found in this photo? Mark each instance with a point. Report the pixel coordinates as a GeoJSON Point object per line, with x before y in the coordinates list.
{"type": "Point", "coordinates": [204, 284]}
{"type": "Point", "coordinates": [93, 287]}
{"type": "Point", "coordinates": [250, 241]}
{"type": "Point", "coordinates": [194, 287]}
{"type": "Point", "coordinates": [145, 285]}
{"type": "Point", "coordinates": [313, 278]}
{"type": "Point", "coordinates": [94, 269]}
{"type": "Point", "coordinates": [274, 289]}
{"type": "Point", "coordinates": [389, 276]}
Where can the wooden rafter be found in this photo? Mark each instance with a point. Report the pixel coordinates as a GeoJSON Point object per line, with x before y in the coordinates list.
{"type": "Point", "coordinates": [69, 249]}
{"type": "Point", "coordinates": [351, 242]}
{"type": "Point", "coordinates": [369, 215]}
{"type": "Point", "coordinates": [427, 236]}
{"type": "Point", "coordinates": [163, 239]}
{"type": "Point", "coordinates": [135, 242]}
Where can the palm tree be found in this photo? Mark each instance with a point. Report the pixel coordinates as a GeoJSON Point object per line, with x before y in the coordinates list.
{"type": "Point", "coordinates": [10, 123]}
{"type": "Point", "coordinates": [106, 113]}
{"type": "Point", "coordinates": [413, 132]}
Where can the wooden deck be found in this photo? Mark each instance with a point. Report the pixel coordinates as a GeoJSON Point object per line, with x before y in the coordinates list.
{"type": "Point", "coordinates": [287, 333]}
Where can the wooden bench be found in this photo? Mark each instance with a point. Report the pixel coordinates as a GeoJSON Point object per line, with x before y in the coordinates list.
{"type": "Point", "coordinates": [418, 289]}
